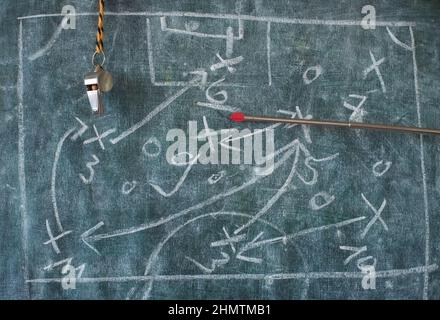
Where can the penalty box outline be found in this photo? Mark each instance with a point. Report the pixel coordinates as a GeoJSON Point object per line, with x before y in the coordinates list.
{"type": "Point", "coordinates": [425, 270]}
{"type": "Point", "coordinates": [240, 36]}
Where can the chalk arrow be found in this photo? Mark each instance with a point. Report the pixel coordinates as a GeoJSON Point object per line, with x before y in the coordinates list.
{"type": "Point", "coordinates": [196, 81]}
{"type": "Point", "coordinates": [85, 237]}
{"type": "Point", "coordinates": [283, 239]}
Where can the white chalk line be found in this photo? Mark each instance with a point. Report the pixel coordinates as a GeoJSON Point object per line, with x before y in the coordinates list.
{"type": "Point", "coordinates": [397, 41]}
{"type": "Point", "coordinates": [164, 27]}
{"type": "Point", "coordinates": [284, 188]}
{"type": "Point", "coordinates": [309, 22]}
{"type": "Point", "coordinates": [163, 105]}
{"type": "Point", "coordinates": [220, 107]}
{"type": "Point", "coordinates": [51, 41]}
{"type": "Point", "coordinates": [146, 226]}
{"type": "Point", "coordinates": [301, 233]}
{"type": "Point", "coordinates": [21, 159]}
{"type": "Point", "coordinates": [159, 247]}
{"type": "Point", "coordinates": [150, 54]}
{"type": "Point", "coordinates": [392, 273]}
{"type": "Point", "coordinates": [156, 83]}
{"type": "Point", "coordinates": [249, 246]}
{"type": "Point", "coordinates": [229, 42]}
{"type": "Point", "coordinates": [422, 165]}
{"type": "Point", "coordinates": [179, 182]}
{"type": "Point", "coordinates": [185, 83]}
{"type": "Point", "coordinates": [268, 46]}
{"type": "Point", "coordinates": [54, 177]}
{"type": "Point", "coordinates": [233, 17]}
{"type": "Point", "coordinates": [151, 115]}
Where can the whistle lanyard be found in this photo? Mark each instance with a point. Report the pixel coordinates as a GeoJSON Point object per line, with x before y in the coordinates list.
{"type": "Point", "coordinates": [98, 80]}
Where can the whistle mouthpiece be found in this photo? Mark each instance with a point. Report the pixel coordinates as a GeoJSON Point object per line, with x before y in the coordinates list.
{"type": "Point", "coordinates": [95, 100]}
{"type": "Point", "coordinates": [94, 93]}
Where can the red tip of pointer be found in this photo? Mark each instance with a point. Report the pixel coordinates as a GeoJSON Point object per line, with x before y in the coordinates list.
{"type": "Point", "coordinates": [237, 117]}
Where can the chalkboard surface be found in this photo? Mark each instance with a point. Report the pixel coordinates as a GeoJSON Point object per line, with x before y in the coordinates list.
{"type": "Point", "coordinates": [144, 202]}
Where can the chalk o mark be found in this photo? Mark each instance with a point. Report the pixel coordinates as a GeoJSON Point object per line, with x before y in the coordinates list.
{"type": "Point", "coordinates": [316, 69]}
{"type": "Point", "coordinates": [216, 177]}
{"type": "Point", "coordinates": [128, 187]}
{"type": "Point", "coordinates": [321, 200]}
{"type": "Point", "coordinates": [377, 172]}
{"type": "Point", "coordinates": [146, 150]}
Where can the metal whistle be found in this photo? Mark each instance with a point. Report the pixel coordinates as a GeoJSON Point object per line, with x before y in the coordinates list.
{"type": "Point", "coordinates": [97, 82]}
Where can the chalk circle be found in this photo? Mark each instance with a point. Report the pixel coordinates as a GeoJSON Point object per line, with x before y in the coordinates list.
{"type": "Point", "coordinates": [156, 143]}
{"type": "Point", "coordinates": [180, 159]}
{"type": "Point", "coordinates": [324, 200]}
{"type": "Point", "coordinates": [316, 69]}
{"type": "Point", "coordinates": [128, 187]}
{"type": "Point", "coordinates": [377, 172]}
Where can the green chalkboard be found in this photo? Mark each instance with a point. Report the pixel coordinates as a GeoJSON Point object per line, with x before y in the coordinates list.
{"type": "Point", "coordinates": [162, 197]}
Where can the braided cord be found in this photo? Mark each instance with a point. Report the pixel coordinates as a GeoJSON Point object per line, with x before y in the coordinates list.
{"type": "Point", "coordinates": [100, 33]}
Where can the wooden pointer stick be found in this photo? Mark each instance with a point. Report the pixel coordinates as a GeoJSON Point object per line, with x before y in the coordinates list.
{"type": "Point", "coordinates": [241, 117]}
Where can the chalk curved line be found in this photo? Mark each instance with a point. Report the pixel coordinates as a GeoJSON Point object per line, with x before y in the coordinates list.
{"type": "Point", "coordinates": [213, 199]}
{"type": "Point", "coordinates": [170, 235]}
{"type": "Point", "coordinates": [179, 183]}
{"type": "Point", "coordinates": [288, 181]}
{"type": "Point", "coordinates": [51, 41]}
{"type": "Point", "coordinates": [54, 177]}
{"type": "Point", "coordinates": [276, 196]}
{"type": "Point", "coordinates": [397, 41]}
